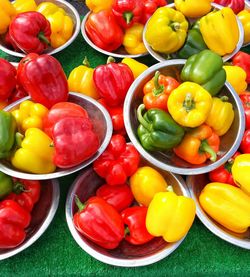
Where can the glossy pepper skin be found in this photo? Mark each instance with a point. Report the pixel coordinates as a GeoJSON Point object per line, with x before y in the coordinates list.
{"type": "Point", "coordinates": [198, 145]}
{"type": "Point", "coordinates": [157, 130]}
{"type": "Point", "coordinates": [13, 221]}
{"type": "Point", "coordinates": [170, 216]}
{"type": "Point", "coordinates": [245, 143]}
{"type": "Point", "coordinates": [6, 185]}
{"type": "Point", "coordinates": [22, 6]}
{"type": "Point", "coordinates": [134, 218]}
{"type": "Point", "coordinates": [150, 6]}
{"type": "Point", "coordinates": [7, 13]}
{"type": "Point", "coordinates": [245, 99]}
{"type": "Point", "coordinates": [31, 32]}
{"type": "Point", "coordinates": [99, 5]}
{"type": "Point", "coordinates": [187, 7]}
{"type": "Point", "coordinates": [118, 162]}
{"type": "Point", "coordinates": [112, 81]}
{"type": "Point", "coordinates": [136, 67]}
{"type": "Point", "coordinates": [227, 205]}
{"type": "Point", "coordinates": [35, 71]}
{"type": "Point", "coordinates": [236, 76]}
{"type": "Point", "coordinates": [100, 222]}
{"type": "Point", "coordinates": [244, 17]}
{"type": "Point", "coordinates": [242, 60]}
{"type": "Point", "coordinates": [103, 30]}
{"type": "Point", "coordinates": [235, 5]}
{"type": "Point", "coordinates": [205, 69]}
{"type": "Point", "coordinates": [166, 30]}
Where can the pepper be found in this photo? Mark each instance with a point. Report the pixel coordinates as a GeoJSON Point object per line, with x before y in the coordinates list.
{"type": "Point", "coordinates": [245, 99]}
{"type": "Point", "coordinates": [43, 78]}
{"type": "Point", "coordinates": [240, 171]}
{"type": "Point", "coordinates": [157, 130]}
{"type": "Point", "coordinates": [242, 60]}
{"type": "Point", "coordinates": [7, 13]}
{"type": "Point", "coordinates": [236, 76]}
{"type": "Point", "coordinates": [157, 90]}
{"type": "Point", "coordinates": [100, 222]}
{"type": "Point", "coordinates": [31, 32]}
{"type": "Point", "coordinates": [136, 67]}
{"type": "Point", "coordinates": [7, 133]}
{"type": "Point", "coordinates": [187, 7]}
{"type": "Point", "coordinates": [118, 162]}
{"type": "Point", "coordinates": [145, 183]}
{"type": "Point", "coordinates": [6, 185]}
{"type": "Point", "coordinates": [134, 219]}
{"type": "Point", "coordinates": [198, 145]}
{"type": "Point", "coordinates": [205, 69]}
{"type": "Point", "coordinates": [103, 30]}
{"type": "Point", "coordinates": [166, 30]}
{"type": "Point", "coordinates": [235, 5]}
{"type": "Point", "coordinates": [81, 80]}
{"type": "Point", "coordinates": [112, 81]}
{"type": "Point", "coordinates": [120, 197]}
{"type": "Point", "coordinates": [227, 205]}
{"type": "Point", "coordinates": [13, 220]}
{"type": "Point", "coordinates": [244, 17]}
{"type": "Point", "coordinates": [22, 6]}
{"type": "Point", "coordinates": [150, 6]}
{"type": "Point", "coordinates": [132, 40]}
{"type": "Point", "coordinates": [170, 215]}
{"type": "Point", "coordinates": [245, 142]}
{"type": "Point", "coordinates": [99, 5]}
{"type": "Point", "coordinates": [220, 31]}
{"type": "Point", "coordinates": [35, 153]}
{"type": "Point", "coordinates": [221, 115]}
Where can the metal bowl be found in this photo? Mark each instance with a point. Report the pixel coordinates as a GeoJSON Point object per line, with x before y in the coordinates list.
{"type": "Point", "coordinates": [42, 215]}
{"type": "Point", "coordinates": [119, 53]}
{"type": "Point", "coordinates": [70, 10]}
{"type": "Point", "coordinates": [102, 125]}
{"type": "Point", "coordinates": [160, 57]}
{"type": "Point", "coordinates": [125, 255]}
{"type": "Point", "coordinates": [168, 160]}
{"type": "Point", "coordinates": [195, 185]}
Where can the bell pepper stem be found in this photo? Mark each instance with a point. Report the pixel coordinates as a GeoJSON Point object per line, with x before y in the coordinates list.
{"type": "Point", "coordinates": [19, 139]}
{"type": "Point", "coordinates": [175, 26]}
{"type": "Point", "coordinates": [170, 189]}
{"type": "Point", "coordinates": [42, 37]}
{"type": "Point", "coordinates": [140, 118]}
{"type": "Point", "coordinates": [128, 16]}
{"type": "Point", "coordinates": [79, 204]}
{"type": "Point", "coordinates": [205, 147]}
{"type": "Point", "coordinates": [224, 98]}
{"type": "Point", "coordinates": [110, 60]}
{"type": "Point", "coordinates": [188, 103]}
{"type": "Point", "coordinates": [86, 62]}
{"type": "Point", "coordinates": [126, 231]}
{"type": "Point", "coordinates": [158, 89]}
{"type": "Point", "coordinates": [19, 188]}
{"type": "Point", "coordinates": [228, 165]}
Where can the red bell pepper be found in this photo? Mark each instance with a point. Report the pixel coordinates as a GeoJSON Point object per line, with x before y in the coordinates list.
{"type": "Point", "coordinates": [74, 141]}
{"type": "Point", "coordinates": [119, 161]}
{"type": "Point", "coordinates": [13, 220]}
{"type": "Point", "coordinates": [127, 12]}
{"type": "Point", "coordinates": [31, 32]}
{"type": "Point", "coordinates": [43, 78]}
{"type": "Point", "coordinates": [242, 60]}
{"type": "Point", "coordinates": [112, 81]}
{"type": "Point", "coordinates": [120, 197]}
{"type": "Point", "coordinates": [7, 79]}
{"type": "Point", "coordinates": [245, 99]}
{"type": "Point", "coordinates": [235, 5]}
{"type": "Point", "coordinates": [103, 30]}
{"type": "Point", "coordinates": [150, 6]}
{"type": "Point", "coordinates": [99, 222]}
{"type": "Point", "coordinates": [245, 143]}
{"type": "Point", "coordinates": [134, 219]}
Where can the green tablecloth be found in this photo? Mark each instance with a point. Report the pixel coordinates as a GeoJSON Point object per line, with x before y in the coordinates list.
{"type": "Point", "coordinates": [57, 254]}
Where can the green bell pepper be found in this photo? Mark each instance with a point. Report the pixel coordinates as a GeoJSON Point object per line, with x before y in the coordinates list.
{"type": "Point", "coordinates": [157, 130]}
{"type": "Point", "coordinates": [205, 69]}
{"type": "Point", "coordinates": [6, 185]}
{"type": "Point", "coordinates": [8, 128]}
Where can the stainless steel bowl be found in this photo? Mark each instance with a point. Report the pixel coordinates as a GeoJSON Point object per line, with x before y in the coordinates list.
{"type": "Point", "coordinates": [70, 10]}
{"type": "Point", "coordinates": [126, 255]}
{"type": "Point", "coordinates": [159, 57]}
{"type": "Point", "coordinates": [167, 160]}
{"type": "Point", "coordinates": [195, 185]}
{"type": "Point", "coordinates": [42, 215]}
{"type": "Point", "coordinates": [102, 125]}
{"type": "Point", "coordinates": [119, 53]}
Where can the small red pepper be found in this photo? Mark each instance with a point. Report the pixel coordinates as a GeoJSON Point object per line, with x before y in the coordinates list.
{"type": "Point", "coordinates": [13, 220]}
{"type": "Point", "coordinates": [99, 222]}
{"type": "Point", "coordinates": [235, 5]}
{"type": "Point", "coordinates": [30, 31]}
{"type": "Point", "coordinates": [134, 219]}
{"type": "Point", "coordinates": [150, 6]}
{"type": "Point", "coordinates": [119, 161]}
{"type": "Point", "coordinates": [245, 143]}
{"type": "Point", "coordinates": [245, 99]}
{"type": "Point", "coordinates": [242, 60]}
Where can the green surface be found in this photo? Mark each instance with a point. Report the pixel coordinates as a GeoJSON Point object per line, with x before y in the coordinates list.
{"type": "Point", "coordinates": [57, 254]}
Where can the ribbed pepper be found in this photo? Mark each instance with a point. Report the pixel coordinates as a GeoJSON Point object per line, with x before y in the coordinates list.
{"type": "Point", "coordinates": [22, 6]}
{"type": "Point", "coordinates": [236, 76]}
{"type": "Point", "coordinates": [136, 67]}
{"type": "Point", "coordinates": [7, 13]}
{"type": "Point", "coordinates": [193, 8]}
{"type": "Point", "coordinates": [244, 17]}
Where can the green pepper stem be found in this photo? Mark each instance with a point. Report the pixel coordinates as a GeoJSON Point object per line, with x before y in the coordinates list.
{"type": "Point", "coordinates": [126, 231]}
{"type": "Point", "coordinates": [79, 204]}
{"type": "Point", "coordinates": [188, 103]}
{"type": "Point", "coordinates": [142, 121]}
{"type": "Point", "coordinates": [86, 62]}
{"type": "Point", "coordinates": [19, 138]}
{"type": "Point", "coordinates": [110, 60]}
{"type": "Point", "coordinates": [175, 26]}
{"type": "Point", "coordinates": [228, 165]}
{"type": "Point", "coordinates": [19, 188]}
{"type": "Point", "coordinates": [170, 189]}
{"type": "Point", "coordinates": [42, 37]}
{"type": "Point", "coordinates": [205, 147]}
{"type": "Point", "coordinates": [224, 98]}
{"type": "Point", "coordinates": [158, 89]}
{"type": "Point", "coordinates": [128, 16]}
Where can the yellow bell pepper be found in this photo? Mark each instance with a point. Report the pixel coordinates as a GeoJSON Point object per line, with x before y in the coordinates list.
{"type": "Point", "coordinates": [166, 30]}
{"type": "Point", "coordinates": [136, 67]}
{"type": "Point", "coordinates": [81, 80]}
{"type": "Point", "coordinates": [221, 115]}
{"type": "Point", "coordinates": [244, 17]}
{"type": "Point", "coordinates": [132, 40]}
{"type": "Point", "coordinates": [145, 183]}
{"type": "Point", "coordinates": [240, 171]}
{"type": "Point", "coordinates": [62, 25]}
{"type": "Point", "coordinates": [193, 8]}
{"type": "Point", "coordinates": [227, 205]}
{"type": "Point", "coordinates": [220, 31]}
{"type": "Point", "coordinates": [236, 76]}
{"type": "Point", "coordinates": [189, 104]}
{"type": "Point", "coordinates": [22, 6]}
{"type": "Point", "coordinates": [35, 154]}
{"type": "Point", "coordinates": [30, 115]}
{"type": "Point", "coordinates": [7, 13]}
{"type": "Point", "coordinates": [170, 216]}
{"type": "Point", "coordinates": [99, 5]}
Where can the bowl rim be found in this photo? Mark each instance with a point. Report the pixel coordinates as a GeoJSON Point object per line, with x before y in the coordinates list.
{"type": "Point", "coordinates": [216, 230]}
{"type": "Point", "coordinates": [43, 227]}
{"type": "Point", "coordinates": [60, 48]}
{"type": "Point", "coordinates": [135, 262]}
{"type": "Point", "coordinates": [67, 171]}
{"type": "Point", "coordinates": [162, 165]}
